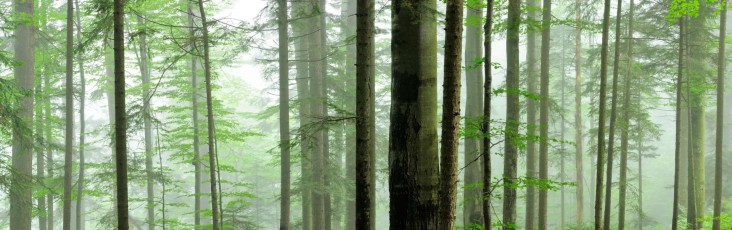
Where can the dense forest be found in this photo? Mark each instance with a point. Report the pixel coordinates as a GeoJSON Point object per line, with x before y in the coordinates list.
{"type": "Point", "coordinates": [365, 114]}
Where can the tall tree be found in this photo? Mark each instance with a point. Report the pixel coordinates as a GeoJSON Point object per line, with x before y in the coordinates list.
{"type": "Point", "coordinates": [578, 140]}
{"type": "Point", "coordinates": [510, 154]}
{"type": "Point", "coordinates": [303, 87]}
{"type": "Point", "coordinates": [22, 151]}
{"type": "Point", "coordinates": [120, 123]}
{"type": "Point", "coordinates": [613, 114]}
{"type": "Point", "coordinates": [451, 113]}
{"type": "Point", "coordinates": [691, 217]}
{"type": "Point", "coordinates": [147, 122]}
{"type": "Point", "coordinates": [601, 114]}
{"type": "Point", "coordinates": [485, 126]}
{"type": "Point", "coordinates": [40, 158]}
{"type": "Point", "coordinates": [69, 137]}
{"type": "Point", "coordinates": [365, 137]}
{"type": "Point", "coordinates": [718, 153]}
{"type": "Point", "coordinates": [413, 158]}
{"type": "Point", "coordinates": [349, 20]}
{"type": "Point", "coordinates": [316, 58]}
{"type": "Point", "coordinates": [284, 68]}
{"type": "Point", "coordinates": [544, 110]}
{"type": "Point", "coordinates": [210, 118]}
{"type": "Point", "coordinates": [698, 63]}
{"type": "Point", "coordinates": [198, 150]}
{"type": "Point", "coordinates": [677, 148]}
{"type": "Point", "coordinates": [531, 121]}
{"type": "Point", "coordinates": [82, 128]}
{"type": "Point", "coordinates": [472, 212]}
{"type": "Point", "coordinates": [626, 124]}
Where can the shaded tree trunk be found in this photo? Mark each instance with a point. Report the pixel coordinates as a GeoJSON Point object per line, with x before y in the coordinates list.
{"type": "Point", "coordinates": [69, 137]}
{"type": "Point", "coordinates": [677, 149]}
{"type": "Point", "coordinates": [626, 125]}
{"type": "Point", "coordinates": [510, 156]}
{"type": "Point", "coordinates": [365, 137]}
{"type": "Point", "coordinates": [40, 157]}
{"type": "Point", "coordinates": [413, 158]}
{"type": "Point", "coordinates": [350, 21]}
{"type": "Point", "coordinates": [485, 126]}
{"type": "Point", "coordinates": [82, 128]}
{"type": "Point", "coordinates": [316, 59]}
{"type": "Point", "coordinates": [601, 114]}
{"type": "Point", "coordinates": [531, 120]}
{"type": "Point", "coordinates": [284, 68]}
{"type": "Point", "coordinates": [472, 211]}
{"type": "Point", "coordinates": [544, 110]}
{"type": "Point", "coordinates": [578, 140]}
{"type": "Point", "coordinates": [303, 88]}
{"type": "Point", "coordinates": [720, 118]}
{"type": "Point", "coordinates": [120, 143]}
{"type": "Point", "coordinates": [20, 192]}
{"type": "Point", "coordinates": [613, 115]}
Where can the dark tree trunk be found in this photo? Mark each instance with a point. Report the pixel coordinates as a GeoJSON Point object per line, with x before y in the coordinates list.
{"type": "Point", "coordinates": [531, 120]}
{"type": "Point", "coordinates": [451, 113]}
{"type": "Point", "coordinates": [284, 68]}
{"type": "Point", "coordinates": [365, 138]}
{"type": "Point", "coordinates": [510, 156]}
{"type": "Point", "coordinates": [613, 114]}
{"type": "Point", "coordinates": [350, 24]}
{"type": "Point", "coordinates": [720, 118]}
{"type": "Point", "coordinates": [677, 152]}
{"type": "Point", "coordinates": [626, 125]}
{"type": "Point", "coordinates": [120, 143]}
{"type": "Point", "coordinates": [601, 119]}
{"type": "Point", "coordinates": [544, 110]}
{"type": "Point", "coordinates": [69, 137]}
{"type": "Point", "coordinates": [413, 158]}
{"type": "Point", "coordinates": [485, 126]}
{"type": "Point", "coordinates": [317, 56]}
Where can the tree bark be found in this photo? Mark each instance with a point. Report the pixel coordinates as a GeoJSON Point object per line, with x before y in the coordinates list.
{"type": "Point", "coordinates": [350, 21]}
{"type": "Point", "coordinates": [413, 158]}
{"type": "Point", "coordinates": [316, 57]}
{"type": "Point", "coordinates": [544, 110]}
{"type": "Point", "coordinates": [284, 68]}
{"type": "Point", "coordinates": [601, 119]}
{"type": "Point", "coordinates": [69, 137]}
{"type": "Point", "coordinates": [82, 128]}
{"type": "Point", "coordinates": [303, 88]}
{"type": "Point", "coordinates": [451, 113]}
{"type": "Point", "coordinates": [485, 126]}
{"type": "Point", "coordinates": [472, 211]}
{"type": "Point", "coordinates": [578, 140]}
{"type": "Point", "coordinates": [365, 138]}
{"type": "Point", "coordinates": [22, 152]}
{"type": "Point", "coordinates": [677, 152]}
{"type": "Point", "coordinates": [510, 156]}
{"type": "Point", "coordinates": [718, 153]}
{"type": "Point", "coordinates": [697, 64]}
{"type": "Point", "coordinates": [613, 115]}
{"type": "Point", "coordinates": [40, 158]}
{"type": "Point", "coordinates": [626, 125]}
{"type": "Point", "coordinates": [120, 145]}
{"type": "Point", "coordinates": [531, 120]}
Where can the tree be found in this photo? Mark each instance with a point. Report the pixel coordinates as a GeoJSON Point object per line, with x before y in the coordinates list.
{"type": "Point", "coordinates": [82, 128]}
{"type": "Point", "coordinates": [510, 154]}
{"type": "Point", "coordinates": [601, 119]}
{"type": "Point", "coordinates": [365, 137]}
{"type": "Point", "coordinates": [578, 141]}
{"type": "Point", "coordinates": [613, 114]}
{"type": "Point", "coordinates": [210, 118]}
{"type": "Point", "coordinates": [120, 123]}
{"type": "Point", "coordinates": [451, 113]}
{"type": "Point", "coordinates": [485, 126]}
{"type": "Point", "coordinates": [284, 114]}
{"type": "Point", "coordinates": [472, 211]}
{"type": "Point", "coordinates": [22, 155]}
{"type": "Point", "coordinates": [544, 110]}
{"type": "Point", "coordinates": [531, 121]}
{"type": "Point", "coordinates": [677, 148]}
{"type": "Point", "coordinates": [718, 153]}
{"type": "Point", "coordinates": [69, 137]}
{"type": "Point", "coordinates": [626, 126]}
{"type": "Point", "coordinates": [303, 88]}
{"type": "Point", "coordinates": [413, 158]}
{"type": "Point", "coordinates": [147, 123]}
{"type": "Point", "coordinates": [317, 105]}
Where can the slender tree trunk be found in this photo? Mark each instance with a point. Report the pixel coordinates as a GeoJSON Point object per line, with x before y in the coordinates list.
{"type": "Point", "coordinates": [284, 69]}
{"type": "Point", "coordinates": [578, 140]}
{"type": "Point", "coordinates": [562, 150]}
{"type": "Point", "coordinates": [22, 151]}
{"type": "Point", "coordinates": [485, 126]}
{"type": "Point", "coordinates": [316, 54]}
{"type": "Point", "coordinates": [720, 118]}
{"type": "Point", "coordinates": [640, 183]}
{"type": "Point", "coordinates": [613, 116]}
{"type": "Point", "coordinates": [49, 152]}
{"type": "Point", "coordinates": [626, 124]}
{"type": "Point", "coordinates": [677, 152]}
{"type": "Point", "coordinates": [365, 137]}
{"type": "Point", "coordinates": [451, 113]}
{"type": "Point", "coordinates": [510, 155]}
{"type": "Point", "coordinates": [120, 116]}
{"type": "Point", "coordinates": [82, 128]}
{"type": "Point", "coordinates": [350, 20]}
{"type": "Point", "coordinates": [69, 137]}
{"type": "Point", "coordinates": [197, 162]}
{"type": "Point", "coordinates": [210, 116]}
{"type": "Point", "coordinates": [601, 119]}
{"type": "Point", "coordinates": [303, 88]}
{"type": "Point", "coordinates": [472, 211]}
{"type": "Point", "coordinates": [531, 120]}
{"type": "Point", "coordinates": [413, 158]}
{"type": "Point", "coordinates": [691, 218]}
{"type": "Point", "coordinates": [40, 158]}
{"type": "Point", "coordinates": [544, 110]}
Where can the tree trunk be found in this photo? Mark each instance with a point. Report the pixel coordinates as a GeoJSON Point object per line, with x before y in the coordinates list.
{"type": "Point", "coordinates": [41, 165]}
{"type": "Point", "coordinates": [562, 150]}
{"type": "Point", "coordinates": [316, 56]}
{"type": "Point", "coordinates": [485, 126]}
{"type": "Point", "coordinates": [303, 88]}
{"type": "Point", "coordinates": [69, 137]}
{"type": "Point", "coordinates": [510, 155]}
{"type": "Point", "coordinates": [451, 113]}
{"type": "Point", "coordinates": [691, 218]}
{"type": "Point", "coordinates": [613, 115]}
{"type": "Point", "coordinates": [601, 119]}
{"type": "Point", "coordinates": [210, 118]}
{"type": "Point", "coordinates": [578, 140]}
{"type": "Point", "coordinates": [531, 121]}
{"type": "Point", "coordinates": [413, 158]}
{"type": "Point", "coordinates": [720, 118]}
{"type": "Point", "coordinates": [82, 128]}
{"type": "Point", "coordinates": [120, 116]}
{"type": "Point", "coordinates": [22, 151]}
{"type": "Point", "coordinates": [697, 39]}
{"type": "Point", "coordinates": [49, 151]}
{"type": "Point", "coordinates": [365, 138]}
{"type": "Point", "coordinates": [349, 28]}
{"type": "Point", "coordinates": [472, 212]}
{"type": "Point", "coordinates": [544, 110]}
{"type": "Point", "coordinates": [626, 125]}
{"type": "Point", "coordinates": [284, 68]}
{"type": "Point", "coordinates": [677, 145]}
